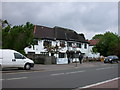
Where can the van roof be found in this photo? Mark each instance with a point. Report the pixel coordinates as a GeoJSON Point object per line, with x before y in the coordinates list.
{"type": "Point", "coordinates": [8, 50]}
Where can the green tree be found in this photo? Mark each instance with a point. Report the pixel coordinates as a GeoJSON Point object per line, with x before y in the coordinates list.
{"type": "Point", "coordinates": [116, 47]}
{"type": "Point", "coordinates": [98, 36]}
{"type": "Point", "coordinates": [108, 44]}
{"type": "Point", "coordinates": [17, 37]}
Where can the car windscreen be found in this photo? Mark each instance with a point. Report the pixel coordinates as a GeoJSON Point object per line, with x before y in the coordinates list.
{"type": "Point", "coordinates": [110, 57]}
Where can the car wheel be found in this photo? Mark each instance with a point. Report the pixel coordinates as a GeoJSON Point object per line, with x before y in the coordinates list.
{"type": "Point", "coordinates": [104, 62]}
{"type": "Point", "coordinates": [27, 67]}
{"type": "Point", "coordinates": [117, 62]}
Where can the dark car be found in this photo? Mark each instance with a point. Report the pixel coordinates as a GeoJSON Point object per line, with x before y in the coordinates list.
{"type": "Point", "coordinates": [111, 59]}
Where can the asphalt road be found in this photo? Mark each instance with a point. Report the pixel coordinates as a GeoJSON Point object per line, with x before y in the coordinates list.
{"type": "Point", "coordinates": [71, 78]}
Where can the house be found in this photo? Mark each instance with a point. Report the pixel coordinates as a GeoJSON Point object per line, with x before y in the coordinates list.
{"type": "Point", "coordinates": [92, 43]}
{"type": "Point", "coordinates": [59, 42]}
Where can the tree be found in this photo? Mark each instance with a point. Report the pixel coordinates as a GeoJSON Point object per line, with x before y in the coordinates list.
{"type": "Point", "coordinates": [98, 36]}
{"type": "Point", "coordinates": [108, 44]}
{"type": "Point", "coordinates": [17, 37]}
{"type": "Point", "coordinates": [116, 48]}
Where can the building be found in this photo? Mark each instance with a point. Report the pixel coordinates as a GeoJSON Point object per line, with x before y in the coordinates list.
{"type": "Point", "coordinates": [92, 43]}
{"type": "Point", "coordinates": [59, 42]}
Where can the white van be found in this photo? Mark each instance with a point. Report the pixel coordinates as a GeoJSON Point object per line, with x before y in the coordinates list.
{"type": "Point", "coordinates": [12, 58]}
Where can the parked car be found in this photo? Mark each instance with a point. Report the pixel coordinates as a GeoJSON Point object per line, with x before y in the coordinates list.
{"type": "Point", "coordinates": [111, 59]}
{"type": "Point", "coordinates": [11, 58]}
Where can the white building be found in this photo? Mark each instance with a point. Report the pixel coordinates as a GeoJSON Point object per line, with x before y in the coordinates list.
{"type": "Point", "coordinates": [59, 42]}
{"type": "Point", "coordinates": [92, 43]}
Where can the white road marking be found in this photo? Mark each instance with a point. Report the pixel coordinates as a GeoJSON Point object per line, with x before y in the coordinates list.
{"type": "Point", "coordinates": [104, 68]}
{"type": "Point", "coordinates": [18, 72]}
{"type": "Point", "coordinates": [16, 78]}
{"type": "Point", "coordinates": [67, 73]}
{"type": "Point", "coordinates": [88, 86]}
{"type": "Point", "coordinates": [75, 72]}
{"type": "Point", "coordinates": [104, 64]}
{"type": "Point", "coordinates": [57, 74]}
{"type": "Point", "coordinates": [78, 71]}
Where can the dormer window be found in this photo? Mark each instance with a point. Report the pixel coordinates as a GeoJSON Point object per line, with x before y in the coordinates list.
{"type": "Point", "coordinates": [69, 44]}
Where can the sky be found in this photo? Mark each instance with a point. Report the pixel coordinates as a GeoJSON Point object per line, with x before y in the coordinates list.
{"type": "Point", "coordinates": [89, 18]}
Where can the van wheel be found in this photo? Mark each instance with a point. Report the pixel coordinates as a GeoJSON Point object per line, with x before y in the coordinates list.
{"type": "Point", "coordinates": [27, 67]}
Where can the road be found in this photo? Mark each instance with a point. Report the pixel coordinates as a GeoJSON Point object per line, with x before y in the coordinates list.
{"type": "Point", "coordinates": [69, 78]}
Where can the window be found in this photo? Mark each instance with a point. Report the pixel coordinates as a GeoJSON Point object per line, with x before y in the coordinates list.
{"type": "Point", "coordinates": [52, 54]}
{"type": "Point", "coordinates": [62, 44]}
{"type": "Point", "coordinates": [85, 46]}
{"type": "Point", "coordinates": [79, 45]}
{"type": "Point", "coordinates": [45, 53]}
{"type": "Point", "coordinates": [47, 43]}
{"type": "Point", "coordinates": [69, 44]}
{"type": "Point", "coordinates": [18, 56]}
{"type": "Point", "coordinates": [61, 55]}
{"type": "Point", "coordinates": [35, 42]}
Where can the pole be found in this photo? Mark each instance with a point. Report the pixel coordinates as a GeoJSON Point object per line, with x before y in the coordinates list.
{"type": "Point", "coordinates": [75, 59]}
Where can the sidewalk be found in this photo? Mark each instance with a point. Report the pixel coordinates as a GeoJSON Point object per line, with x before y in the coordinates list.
{"type": "Point", "coordinates": [112, 84]}
{"type": "Point", "coordinates": [52, 67]}
{"type": "Point", "coordinates": [65, 66]}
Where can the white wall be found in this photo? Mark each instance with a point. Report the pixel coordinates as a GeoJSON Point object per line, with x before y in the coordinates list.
{"type": "Point", "coordinates": [91, 54]}
{"type": "Point", "coordinates": [37, 48]}
{"type": "Point", "coordinates": [40, 48]}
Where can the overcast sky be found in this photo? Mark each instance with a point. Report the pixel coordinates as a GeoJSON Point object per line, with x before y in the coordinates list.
{"type": "Point", "coordinates": [88, 18]}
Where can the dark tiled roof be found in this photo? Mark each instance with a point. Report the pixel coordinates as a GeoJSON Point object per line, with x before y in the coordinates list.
{"type": "Point", "coordinates": [72, 35]}
{"type": "Point", "coordinates": [58, 33]}
{"type": "Point", "coordinates": [43, 32]}
{"type": "Point", "coordinates": [81, 38]}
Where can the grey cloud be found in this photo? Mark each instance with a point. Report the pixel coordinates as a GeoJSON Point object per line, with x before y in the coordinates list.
{"type": "Point", "coordinates": [82, 17]}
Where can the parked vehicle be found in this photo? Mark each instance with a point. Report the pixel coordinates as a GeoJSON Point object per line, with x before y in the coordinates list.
{"type": "Point", "coordinates": [12, 58]}
{"type": "Point", "coordinates": [111, 59]}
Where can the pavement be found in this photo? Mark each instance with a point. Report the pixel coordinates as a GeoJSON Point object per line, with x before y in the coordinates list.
{"type": "Point", "coordinates": [52, 67]}
{"type": "Point", "coordinates": [111, 84]}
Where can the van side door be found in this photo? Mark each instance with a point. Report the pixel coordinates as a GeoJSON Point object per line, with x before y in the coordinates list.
{"type": "Point", "coordinates": [18, 60]}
